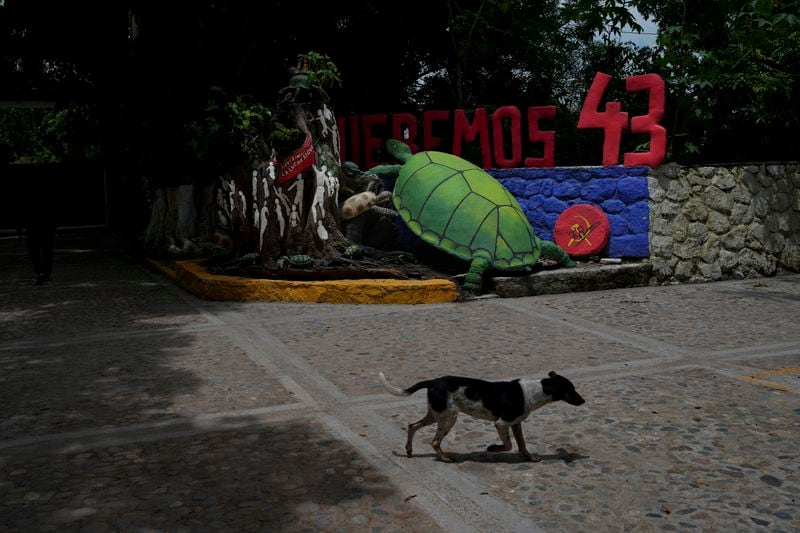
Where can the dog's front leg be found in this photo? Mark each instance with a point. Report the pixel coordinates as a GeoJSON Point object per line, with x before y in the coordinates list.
{"type": "Point", "coordinates": [502, 430]}
{"type": "Point", "coordinates": [446, 421]}
{"type": "Point", "coordinates": [520, 438]}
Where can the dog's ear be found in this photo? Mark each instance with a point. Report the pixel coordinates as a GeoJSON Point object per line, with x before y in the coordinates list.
{"type": "Point", "coordinates": [552, 374]}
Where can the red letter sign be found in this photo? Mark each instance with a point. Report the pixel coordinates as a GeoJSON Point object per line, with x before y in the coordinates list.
{"type": "Point", "coordinates": [548, 138]}
{"type": "Point", "coordinates": [355, 140]}
{"type": "Point", "coordinates": [511, 113]}
{"type": "Point", "coordinates": [649, 123]}
{"type": "Point", "coordinates": [342, 143]}
{"type": "Point", "coordinates": [613, 120]}
{"type": "Point", "coordinates": [371, 143]}
{"type": "Point", "coordinates": [463, 130]}
{"type": "Point", "coordinates": [409, 121]}
{"type": "Point", "coordinates": [429, 142]}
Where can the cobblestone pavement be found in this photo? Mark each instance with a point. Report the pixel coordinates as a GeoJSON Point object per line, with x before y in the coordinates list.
{"type": "Point", "coordinates": [128, 405]}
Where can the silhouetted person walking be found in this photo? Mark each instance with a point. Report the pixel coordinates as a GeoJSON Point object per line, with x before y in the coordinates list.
{"type": "Point", "coordinates": [41, 244]}
{"type": "Point", "coordinates": [40, 226]}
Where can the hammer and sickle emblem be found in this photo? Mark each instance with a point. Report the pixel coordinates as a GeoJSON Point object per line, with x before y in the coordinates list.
{"type": "Point", "coordinates": [579, 234]}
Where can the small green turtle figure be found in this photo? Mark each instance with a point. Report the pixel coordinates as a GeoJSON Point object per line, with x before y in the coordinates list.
{"type": "Point", "coordinates": [298, 261]}
{"type": "Point", "coordinates": [459, 208]}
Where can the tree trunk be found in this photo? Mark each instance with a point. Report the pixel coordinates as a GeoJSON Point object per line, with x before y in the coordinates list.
{"type": "Point", "coordinates": [180, 218]}
{"type": "Point", "coordinates": [272, 214]}
{"type": "Point", "coordinates": [264, 206]}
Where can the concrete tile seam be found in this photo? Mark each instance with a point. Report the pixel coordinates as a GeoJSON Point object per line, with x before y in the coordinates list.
{"type": "Point", "coordinates": [744, 351]}
{"type": "Point", "coordinates": [322, 312]}
{"type": "Point", "coordinates": [666, 364]}
{"type": "Point", "coordinates": [280, 357]}
{"type": "Point", "coordinates": [67, 442]}
{"type": "Point", "coordinates": [300, 393]}
{"type": "Point", "coordinates": [699, 360]}
{"type": "Point", "coordinates": [615, 369]}
{"type": "Point", "coordinates": [184, 296]}
{"type": "Point", "coordinates": [457, 491]}
{"type": "Point", "coordinates": [445, 517]}
{"type": "Point", "coordinates": [255, 350]}
{"type": "Point", "coordinates": [593, 328]}
{"type": "Point", "coordinates": [727, 359]}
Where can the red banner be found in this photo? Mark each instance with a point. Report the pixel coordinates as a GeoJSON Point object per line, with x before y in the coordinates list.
{"type": "Point", "coordinates": [297, 162]}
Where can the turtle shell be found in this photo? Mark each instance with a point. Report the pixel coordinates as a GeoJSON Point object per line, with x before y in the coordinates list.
{"type": "Point", "coordinates": [459, 208]}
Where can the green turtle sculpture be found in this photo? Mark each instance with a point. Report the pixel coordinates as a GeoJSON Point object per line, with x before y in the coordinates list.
{"type": "Point", "coordinates": [460, 209]}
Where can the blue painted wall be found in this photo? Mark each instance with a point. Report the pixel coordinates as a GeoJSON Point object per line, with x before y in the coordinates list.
{"type": "Point", "coordinates": [621, 192]}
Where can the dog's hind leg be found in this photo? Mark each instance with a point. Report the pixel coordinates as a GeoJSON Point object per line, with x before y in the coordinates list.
{"type": "Point", "coordinates": [520, 438]}
{"type": "Point", "coordinates": [502, 430]}
{"type": "Point", "coordinates": [446, 421]}
{"type": "Point", "coordinates": [412, 428]}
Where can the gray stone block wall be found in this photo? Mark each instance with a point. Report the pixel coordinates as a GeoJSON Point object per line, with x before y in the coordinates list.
{"type": "Point", "coordinates": [723, 222]}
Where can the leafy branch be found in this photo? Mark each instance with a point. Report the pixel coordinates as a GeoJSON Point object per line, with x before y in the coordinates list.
{"type": "Point", "coordinates": [323, 72]}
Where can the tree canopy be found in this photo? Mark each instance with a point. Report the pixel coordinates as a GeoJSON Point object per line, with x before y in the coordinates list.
{"type": "Point", "coordinates": [732, 66]}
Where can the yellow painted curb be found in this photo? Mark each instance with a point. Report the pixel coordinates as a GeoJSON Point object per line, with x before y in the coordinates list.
{"type": "Point", "coordinates": [196, 279]}
{"type": "Point", "coordinates": [161, 267]}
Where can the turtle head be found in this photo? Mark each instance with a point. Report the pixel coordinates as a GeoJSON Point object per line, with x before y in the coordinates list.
{"type": "Point", "coordinates": [399, 149]}
{"type": "Point", "coordinates": [351, 169]}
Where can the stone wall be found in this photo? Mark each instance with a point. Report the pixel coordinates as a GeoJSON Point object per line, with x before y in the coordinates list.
{"type": "Point", "coordinates": [723, 222]}
{"type": "Point", "coordinates": [621, 192]}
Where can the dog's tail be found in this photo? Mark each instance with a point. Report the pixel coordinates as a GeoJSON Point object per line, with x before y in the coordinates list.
{"type": "Point", "coordinates": [391, 388]}
{"type": "Point", "coordinates": [402, 392]}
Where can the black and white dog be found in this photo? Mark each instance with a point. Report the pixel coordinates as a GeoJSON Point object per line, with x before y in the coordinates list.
{"type": "Point", "coordinates": [506, 403]}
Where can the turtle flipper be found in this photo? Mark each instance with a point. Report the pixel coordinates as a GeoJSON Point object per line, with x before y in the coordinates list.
{"type": "Point", "coordinates": [551, 250]}
{"type": "Point", "coordinates": [385, 172]}
{"type": "Point", "coordinates": [474, 279]}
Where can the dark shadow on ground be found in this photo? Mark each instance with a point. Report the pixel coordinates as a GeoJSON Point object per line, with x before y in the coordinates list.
{"type": "Point", "coordinates": [276, 477]}
{"type": "Point", "coordinates": [71, 356]}
{"type": "Point", "coordinates": [107, 344]}
{"type": "Point", "coordinates": [511, 457]}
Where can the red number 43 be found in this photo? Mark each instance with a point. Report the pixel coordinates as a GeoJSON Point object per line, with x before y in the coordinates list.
{"type": "Point", "coordinates": [613, 120]}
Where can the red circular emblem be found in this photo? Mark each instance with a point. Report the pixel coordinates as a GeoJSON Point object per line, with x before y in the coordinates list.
{"type": "Point", "coordinates": [582, 230]}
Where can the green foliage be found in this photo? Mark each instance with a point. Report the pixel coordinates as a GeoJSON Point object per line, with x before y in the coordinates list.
{"type": "Point", "coordinates": [236, 127]}
{"type": "Point", "coordinates": [232, 127]}
{"type": "Point", "coordinates": [606, 18]}
{"type": "Point", "coordinates": [732, 69]}
{"type": "Point", "coordinates": [323, 71]}
{"type": "Point", "coordinates": [29, 135]}
{"type": "Point", "coordinates": [762, 42]}
{"type": "Point", "coordinates": [496, 52]}
{"type": "Point", "coordinates": [733, 72]}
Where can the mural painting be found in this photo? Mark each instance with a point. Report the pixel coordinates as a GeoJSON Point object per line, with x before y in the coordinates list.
{"type": "Point", "coordinates": [286, 205]}
{"type": "Point", "coordinates": [303, 208]}
{"type": "Point", "coordinates": [621, 193]}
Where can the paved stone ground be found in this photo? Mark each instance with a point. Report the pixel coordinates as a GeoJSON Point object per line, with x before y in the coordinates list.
{"type": "Point", "coordinates": [129, 405]}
